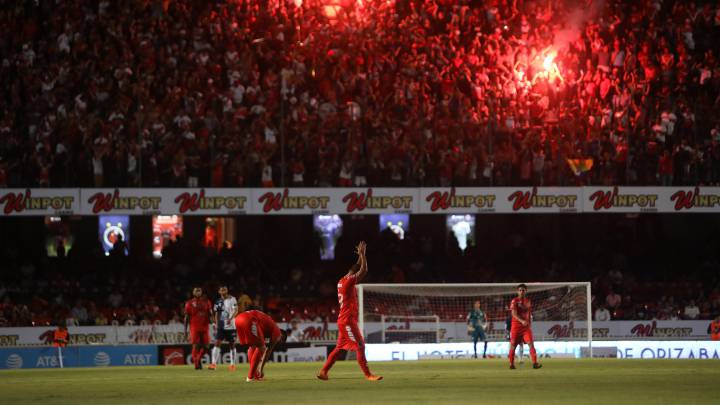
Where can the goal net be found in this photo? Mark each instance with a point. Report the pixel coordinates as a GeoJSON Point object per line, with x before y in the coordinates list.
{"type": "Point", "coordinates": [436, 313]}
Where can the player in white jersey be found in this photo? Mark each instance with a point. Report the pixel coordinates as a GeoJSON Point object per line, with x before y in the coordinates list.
{"type": "Point", "coordinates": [225, 310]}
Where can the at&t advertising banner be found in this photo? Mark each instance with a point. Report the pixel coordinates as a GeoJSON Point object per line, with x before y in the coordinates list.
{"type": "Point", "coordinates": [79, 356]}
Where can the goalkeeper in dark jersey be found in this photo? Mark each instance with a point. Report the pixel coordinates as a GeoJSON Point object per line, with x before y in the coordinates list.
{"type": "Point", "coordinates": [477, 323]}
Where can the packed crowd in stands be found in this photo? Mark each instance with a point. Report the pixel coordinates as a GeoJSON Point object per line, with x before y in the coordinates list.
{"type": "Point", "coordinates": [637, 272]}
{"type": "Point", "coordinates": [375, 92]}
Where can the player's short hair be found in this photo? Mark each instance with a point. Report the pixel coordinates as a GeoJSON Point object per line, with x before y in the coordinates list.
{"type": "Point", "coordinates": [522, 286]}
{"type": "Point", "coordinates": [223, 286]}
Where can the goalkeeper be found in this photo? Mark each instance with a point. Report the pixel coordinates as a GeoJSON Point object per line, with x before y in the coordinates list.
{"type": "Point", "coordinates": [476, 324]}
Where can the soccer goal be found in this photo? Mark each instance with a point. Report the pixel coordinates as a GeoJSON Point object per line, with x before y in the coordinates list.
{"type": "Point", "coordinates": [436, 313]}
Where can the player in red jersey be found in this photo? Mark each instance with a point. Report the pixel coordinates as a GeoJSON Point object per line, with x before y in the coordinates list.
{"type": "Point", "coordinates": [520, 329]}
{"type": "Point", "coordinates": [197, 314]}
{"type": "Point", "coordinates": [253, 327]}
{"type": "Point", "coordinates": [349, 335]}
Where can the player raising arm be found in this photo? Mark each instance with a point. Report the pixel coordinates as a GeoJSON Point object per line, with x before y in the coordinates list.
{"type": "Point", "coordinates": [349, 335]}
{"type": "Point", "coordinates": [252, 329]}
{"type": "Point", "coordinates": [197, 314]}
{"type": "Point", "coordinates": [521, 330]}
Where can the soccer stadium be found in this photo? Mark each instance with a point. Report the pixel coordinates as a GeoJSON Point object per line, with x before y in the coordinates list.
{"type": "Point", "coordinates": [359, 201]}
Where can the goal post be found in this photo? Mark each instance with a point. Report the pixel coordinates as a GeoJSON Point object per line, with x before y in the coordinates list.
{"type": "Point", "coordinates": [437, 313]}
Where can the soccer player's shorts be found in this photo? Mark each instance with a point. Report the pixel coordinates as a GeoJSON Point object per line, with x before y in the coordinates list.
{"type": "Point", "coordinates": [249, 331]}
{"type": "Point", "coordinates": [520, 335]}
{"type": "Point", "coordinates": [227, 335]}
{"type": "Point", "coordinates": [479, 334]}
{"type": "Point", "coordinates": [199, 336]}
{"type": "Point", "coordinates": [349, 336]}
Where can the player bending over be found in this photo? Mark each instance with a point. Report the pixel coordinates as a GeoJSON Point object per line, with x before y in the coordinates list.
{"type": "Point", "coordinates": [225, 310]}
{"type": "Point", "coordinates": [349, 335]}
{"type": "Point", "coordinates": [521, 330]}
{"type": "Point", "coordinates": [477, 324]}
{"type": "Point", "coordinates": [252, 329]}
{"type": "Point", "coordinates": [197, 314]}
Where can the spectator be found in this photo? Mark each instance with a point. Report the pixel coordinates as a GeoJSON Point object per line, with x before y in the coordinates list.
{"type": "Point", "coordinates": [295, 334]}
{"type": "Point", "coordinates": [691, 310]}
{"type": "Point", "coordinates": [119, 248]}
{"type": "Point", "coordinates": [80, 313]}
{"type": "Point", "coordinates": [602, 314]}
{"type": "Point", "coordinates": [635, 92]}
{"type": "Point", "coordinates": [613, 300]}
{"type": "Point", "coordinates": [101, 319]}
{"type": "Point", "coordinates": [115, 299]}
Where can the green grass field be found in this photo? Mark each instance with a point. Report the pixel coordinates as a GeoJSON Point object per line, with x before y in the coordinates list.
{"type": "Point", "coordinates": [432, 381]}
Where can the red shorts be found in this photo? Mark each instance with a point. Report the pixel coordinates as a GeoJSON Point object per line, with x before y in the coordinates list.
{"type": "Point", "coordinates": [199, 336]}
{"type": "Point", "coordinates": [349, 336]}
{"type": "Point", "coordinates": [521, 334]}
{"type": "Point", "coordinates": [249, 331]}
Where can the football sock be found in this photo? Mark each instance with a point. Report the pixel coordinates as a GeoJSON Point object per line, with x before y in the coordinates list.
{"type": "Point", "coordinates": [533, 354]}
{"type": "Point", "coordinates": [332, 358]}
{"type": "Point", "coordinates": [512, 354]}
{"type": "Point", "coordinates": [215, 355]}
{"type": "Point", "coordinates": [362, 361]}
{"type": "Point", "coordinates": [233, 353]}
{"type": "Point", "coordinates": [254, 361]}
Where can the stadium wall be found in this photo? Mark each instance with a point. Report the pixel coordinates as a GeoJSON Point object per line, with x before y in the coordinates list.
{"type": "Point", "coordinates": [138, 355]}
{"type": "Point", "coordinates": [303, 201]}
{"type": "Point", "coordinates": [327, 333]}
{"type": "Point", "coordinates": [79, 356]}
{"type": "Point", "coordinates": [169, 355]}
{"type": "Point", "coordinates": [629, 349]}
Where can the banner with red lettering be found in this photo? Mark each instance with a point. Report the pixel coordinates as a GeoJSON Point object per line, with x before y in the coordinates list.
{"type": "Point", "coordinates": [305, 201]}
{"type": "Point", "coordinates": [39, 201]}
{"type": "Point", "coordinates": [165, 201]}
{"type": "Point", "coordinates": [335, 201]}
{"type": "Point", "coordinates": [292, 201]}
{"type": "Point", "coordinates": [501, 200]}
{"type": "Point", "coordinates": [651, 199]}
{"type": "Point", "coordinates": [327, 332]}
{"type": "Point", "coordinates": [210, 201]}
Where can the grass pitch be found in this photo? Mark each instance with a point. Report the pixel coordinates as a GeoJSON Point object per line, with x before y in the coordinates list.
{"type": "Point", "coordinates": [567, 381]}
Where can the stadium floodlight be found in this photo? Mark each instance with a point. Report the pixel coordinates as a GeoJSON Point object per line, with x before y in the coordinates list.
{"type": "Point", "coordinates": [436, 313]}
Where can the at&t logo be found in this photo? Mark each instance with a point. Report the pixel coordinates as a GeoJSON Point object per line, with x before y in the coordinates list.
{"type": "Point", "coordinates": [14, 361]}
{"type": "Point", "coordinates": [102, 359]}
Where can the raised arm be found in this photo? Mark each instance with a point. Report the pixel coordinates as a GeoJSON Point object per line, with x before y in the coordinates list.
{"type": "Point", "coordinates": [186, 321]}
{"type": "Point", "coordinates": [362, 260]}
